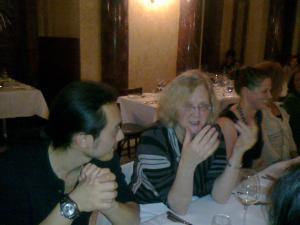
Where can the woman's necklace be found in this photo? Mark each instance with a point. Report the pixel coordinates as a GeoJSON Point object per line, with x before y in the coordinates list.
{"type": "Point", "coordinates": [242, 114]}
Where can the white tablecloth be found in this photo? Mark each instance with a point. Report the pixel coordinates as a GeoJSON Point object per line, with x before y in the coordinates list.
{"type": "Point", "coordinates": [21, 100]}
{"type": "Point", "coordinates": [202, 210]}
{"type": "Point", "coordinates": [142, 109]}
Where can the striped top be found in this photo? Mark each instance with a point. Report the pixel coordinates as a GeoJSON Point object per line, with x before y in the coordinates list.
{"type": "Point", "coordinates": [155, 168]}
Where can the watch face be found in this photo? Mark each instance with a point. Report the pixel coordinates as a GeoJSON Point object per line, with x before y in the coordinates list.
{"type": "Point", "coordinates": [69, 209]}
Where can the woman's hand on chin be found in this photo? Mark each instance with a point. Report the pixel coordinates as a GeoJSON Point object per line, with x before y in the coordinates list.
{"type": "Point", "coordinates": [196, 150]}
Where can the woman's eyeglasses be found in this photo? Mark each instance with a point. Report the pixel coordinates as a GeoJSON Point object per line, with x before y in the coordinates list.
{"type": "Point", "coordinates": [204, 107]}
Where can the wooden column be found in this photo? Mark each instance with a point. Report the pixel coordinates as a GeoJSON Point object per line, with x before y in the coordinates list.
{"type": "Point", "coordinates": [281, 24]}
{"type": "Point", "coordinates": [114, 42]}
{"type": "Point", "coordinates": [239, 28]}
{"type": "Point", "coordinates": [189, 35]}
{"type": "Point", "coordinates": [18, 40]}
{"type": "Point", "coordinates": [212, 35]}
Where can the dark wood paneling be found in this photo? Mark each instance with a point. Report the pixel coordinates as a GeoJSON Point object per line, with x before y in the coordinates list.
{"type": "Point", "coordinates": [114, 42]}
{"type": "Point", "coordinates": [212, 35]}
{"type": "Point", "coordinates": [189, 35]}
{"type": "Point", "coordinates": [281, 24]}
{"type": "Point", "coordinates": [59, 64]}
{"type": "Point", "coordinates": [244, 30]}
{"type": "Point", "coordinates": [18, 42]}
{"type": "Point", "coordinates": [234, 24]}
{"type": "Point", "coordinates": [239, 28]}
{"type": "Point", "coordinates": [289, 21]}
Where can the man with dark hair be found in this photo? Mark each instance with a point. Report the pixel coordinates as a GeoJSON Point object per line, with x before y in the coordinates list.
{"type": "Point", "coordinates": [63, 179]}
{"type": "Point", "coordinates": [285, 199]}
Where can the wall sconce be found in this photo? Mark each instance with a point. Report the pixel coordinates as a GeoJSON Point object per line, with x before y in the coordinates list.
{"type": "Point", "coordinates": [156, 4]}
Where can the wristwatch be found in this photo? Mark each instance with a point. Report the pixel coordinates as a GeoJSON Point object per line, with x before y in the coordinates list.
{"type": "Point", "coordinates": [69, 208]}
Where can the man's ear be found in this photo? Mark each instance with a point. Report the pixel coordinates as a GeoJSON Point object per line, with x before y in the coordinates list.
{"type": "Point", "coordinates": [245, 91]}
{"type": "Point", "coordinates": [83, 140]}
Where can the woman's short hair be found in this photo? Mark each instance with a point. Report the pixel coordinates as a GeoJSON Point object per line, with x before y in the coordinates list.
{"type": "Point", "coordinates": [285, 197]}
{"type": "Point", "coordinates": [249, 77]}
{"type": "Point", "coordinates": [276, 73]}
{"type": "Point", "coordinates": [291, 84]}
{"type": "Point", "coordinates": [178, 92]}
{"type": "Point", "coordinates": [78, 108]}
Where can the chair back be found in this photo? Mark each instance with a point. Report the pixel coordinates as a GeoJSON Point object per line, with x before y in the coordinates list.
{"type": "Point", "coordinates": [131, 91]}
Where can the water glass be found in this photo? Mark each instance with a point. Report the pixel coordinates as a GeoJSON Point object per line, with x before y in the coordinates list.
{"type": "Point", "coordinates": [221, 219]}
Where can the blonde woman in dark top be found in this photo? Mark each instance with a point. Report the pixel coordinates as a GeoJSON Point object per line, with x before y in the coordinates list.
{"type": "Point", "coordinates": [183, 155]}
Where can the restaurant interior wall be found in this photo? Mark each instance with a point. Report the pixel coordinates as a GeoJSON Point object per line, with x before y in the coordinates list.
{"type": "Point", "coordinates": [153, 40]}
{"type": "Point", "coordinates": [59, 45]}
{"type": "Point", "coordinates": [153, 35]}
{"type": "Point", "coordinates": [90, 44]}
{"type": "Point", "coordinates": [256, 31]}
{"type": "Point", "coordinates": [296, 39]}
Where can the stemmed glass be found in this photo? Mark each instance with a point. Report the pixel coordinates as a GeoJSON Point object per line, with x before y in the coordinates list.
{"type": "Point", "coordinates": [248, 191]}
{"type": "Point", "coordinates": [160, 85]}
{"type": "Point", "coordinates": [221, 219]}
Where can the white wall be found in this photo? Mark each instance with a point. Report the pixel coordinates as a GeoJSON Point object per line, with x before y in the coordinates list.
{"type": "Point", "coordinates": [153, 40]}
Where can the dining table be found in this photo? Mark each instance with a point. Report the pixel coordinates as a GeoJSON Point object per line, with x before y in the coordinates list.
{"type": "Point", "coordinates": [20, 100]}
{"type": "Point", "coordinates": [202, 210]}
{"type": "Point", "coordinates": [139, 109]}
{"type": "Point", "coordinates": [142, 109]}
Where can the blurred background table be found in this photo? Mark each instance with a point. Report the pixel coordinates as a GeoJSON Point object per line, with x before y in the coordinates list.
{"type": "Point", "coordinates": [142, 109]}
{"type": "Point", "coordinates": [20, 100]}
{"type": "Point", "coordinates": [139, 109]}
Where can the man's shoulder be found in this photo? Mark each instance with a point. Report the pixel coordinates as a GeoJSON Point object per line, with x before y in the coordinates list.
{"type": "Point", "coordinates": [23, 157]}
{"type": "Point", "coordinates": [112, 164]}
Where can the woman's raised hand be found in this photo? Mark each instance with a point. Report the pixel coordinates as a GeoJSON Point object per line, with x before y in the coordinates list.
{"type": "Point", "coordinates": [197, 149]}
{"type": "Point", "coordinates": [247, 137]}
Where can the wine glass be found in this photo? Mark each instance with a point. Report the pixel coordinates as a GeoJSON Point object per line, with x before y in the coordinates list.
{"type": "Point", "coordinates": [221, 219]}
{"type": "Point", "coordinates": [248, 191]}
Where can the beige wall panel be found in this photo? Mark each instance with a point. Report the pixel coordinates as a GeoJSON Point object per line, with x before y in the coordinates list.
{"type": "Point", "coordinates": [90, 44]}
{"type": "Point", "coordinates": [62, 18]}
{"type": "Point", "coordinates": [256, 33]}
{"type": "Point", "coordinates": [153, 40]}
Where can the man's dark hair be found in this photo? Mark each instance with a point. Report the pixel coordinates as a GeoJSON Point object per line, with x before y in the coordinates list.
{"type": "Point", "coordinates": [78, 108]}
{"type": "Point", "coordinates": [285, 209]}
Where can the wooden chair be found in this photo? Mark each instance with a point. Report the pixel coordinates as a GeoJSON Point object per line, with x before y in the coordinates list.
{"type": "Point", "coordinates": [131, 91]}
{"type": "Point", "coordinates": [131, 131]}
